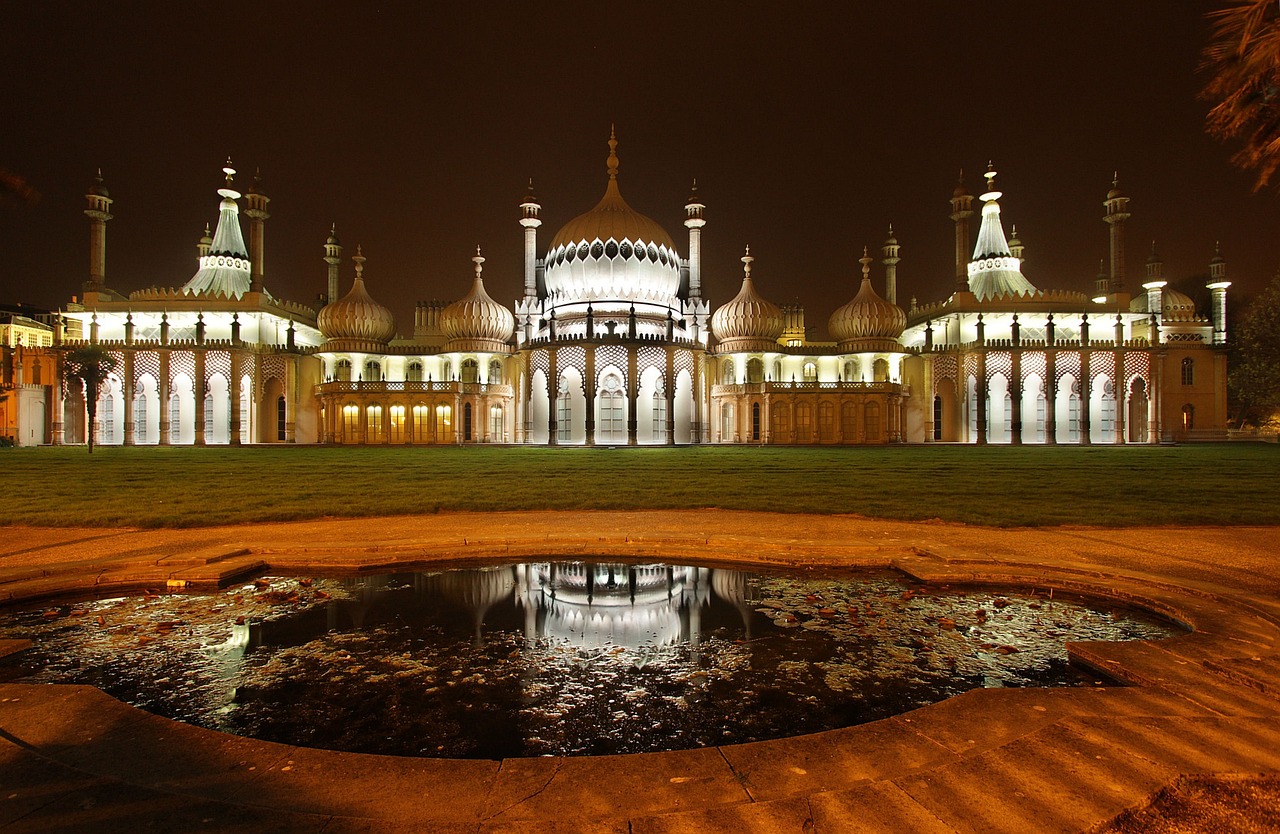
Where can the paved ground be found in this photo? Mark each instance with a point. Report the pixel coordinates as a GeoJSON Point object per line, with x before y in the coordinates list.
{"type": "Point", "coordinates": [72, 759]}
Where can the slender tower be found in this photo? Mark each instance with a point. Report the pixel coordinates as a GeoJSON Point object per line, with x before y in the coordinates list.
{"type": "Point", "coordinates": [1154, 286]}
{"type": "Point", "coordinates": [98, 212]}
{"type": "Point", "coordinates": [1015, 246]}
{"type": "Point", "coordinates": [1217, 285]}
{"type": "Point", "coordinates": [256, 211]}
{"type": "Point", "coordinates": [529, 220]}
{"type": "Point", "coordinates": [1117, 206]}
{"type": "Point", "coordinates": [961, 211]}
{"type": "Point", "coordinates": [891, 259]}
{"type": "Point", "coordinates": [333, 257]}
{"type": "Point", "coordinates": [205, 244]}
{"type": "Point", "coordinates": [694, 222]}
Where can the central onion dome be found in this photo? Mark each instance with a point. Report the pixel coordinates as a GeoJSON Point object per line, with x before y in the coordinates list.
{"type": "Point", "coordinates": [868, 322]}
{"type": "Point", "coordinates": [476, 322]}
{"type": "Point", "coordinates": [748, 322]}
{"type": "Point", "coordinates": [356, 322]}
{"type": "Point", "coordinates": [612, 256]}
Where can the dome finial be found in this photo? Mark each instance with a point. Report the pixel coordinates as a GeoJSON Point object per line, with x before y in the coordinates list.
{"type": "Point", "coordinates": [612, 161]}
{"type": "Point", "coordinates": [865, 260]}
{"type": "Point", "coordinates": [746, 264]}
{"type": "Point", "coordinates": [359, 258]}
{"type": "Point", "coordinates": [478, 260]}
{"type": "Point", "coordinates": [229, 171]}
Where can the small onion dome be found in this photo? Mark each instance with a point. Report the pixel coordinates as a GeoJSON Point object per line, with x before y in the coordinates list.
{"type": "Point", "coordinates": [355, 321]}
{"type": "Point", "coordinates": [868, 322]}
{"type": "Point", "coordinates": [748, 322]}
{"type": "Point", "coordinates": [1178, 306]}
{"type": "Point", "coordinates": [96, 188]}
{"type": "Point", "coordinates": [476, 321]}
{"type": "Point", "coordinates": [1115, 191]}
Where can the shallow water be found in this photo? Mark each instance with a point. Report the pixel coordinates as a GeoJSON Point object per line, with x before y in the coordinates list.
{"type": "Point", "coordinates": [558, 658]}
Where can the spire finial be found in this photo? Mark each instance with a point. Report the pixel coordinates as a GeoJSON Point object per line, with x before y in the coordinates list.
{"type": "Point", "coordinates": [865, 260]}
{"type": "Point", "coordinates": [746, 264]}
{"type": "Point", "coordinates": [990, 174]}
{"type": "Point", "coordinates": [358, 257]}
{"type": "Point", "coordinates": [612, 161]}
{"type": "Point", "coordinates": [1115, 179]}
{"type": "Point", "coordinates": [207, 231]}
{"type": "Point", "coordinates": [229, 171]}
{"type": "Point", "coordinates": [478, 260]}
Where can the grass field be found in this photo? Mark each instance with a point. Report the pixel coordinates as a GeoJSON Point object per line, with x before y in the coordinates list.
{"type": "Point", "coordinates": [996, 485]}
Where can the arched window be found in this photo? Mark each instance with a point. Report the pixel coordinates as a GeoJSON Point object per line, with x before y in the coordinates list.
{"type": "Point", "coordinates": [342, 370]}
{"type": "Point", "coordinates": [1008, 416]}
{"type": "Point", "coordinates": [810, 372]}
{"type": "Point", "coordinates": [777, 371]}
{"type": "Point", "coordinates": [726, 423]}
{"type": "Point", "coordinates": [826, 422]}
{"type": "Point", "coordinates": [1073, 413]}
{"type": "Point", "coordinates": [849, 421]}
{"type": "Point", "coordinates": [804, 423]}
{"type": "Point", "coordinates": [350, 423]}
{"type": "Point", "coordinates": [1188, 417]}
{"type": "Point", "coordinates": [413, 371]}
{"type": "Point", "coordinates": [470, 370]}
{"type": "Point", "coordinates": [1108, 415]}
{"type": "Point", "coordinates": [372, 371]}
{"type": "Point", "coordinates": [850, 372]}
{"type": "Point", "coordinates": [497, 425]}
{"type": "Point", "coordinates": [397, 423]}
{"type": "Point", "coordinates": [35, 372]}
{"type": "Point", "coordinates": [466, 421]}
{"type": "Point", "coordinates": [421, 422]}
{"type": "Point", "coordinates": [728, 375]}
{"type": "Point", "coordinates": [781, 427]}
{"type": "Point", "coordinates": [374, 415]}
{"type": "Point", "coordinates": [755, 422]}
{"type": "Point", "coordinates": [208, 417]}
{"type": "Point", "coordinates": [140, 419]}
{"type": "Point", "coordinates": [175, 418]}
{"type": "Point", "coordinates": [880, 370]}
{"type": "Point", "coordinates": [937, 418]}
{"type": "Point", "coordinates": [612, 426]}
{"type": "Point", "coordinates": [1042, 405]}
{"type": "Point", "coordinates": [660, 415]}
{"type": "Point", "coordinates": [444, 424]}
{"type": "Point", "coordinates": [107, 411]}
{"type": "Point", "coordinates": [755, 371]}
{"type": "Point", "coordinates": [280, 418]}
{"type": "Point", "coordinates": [495, 372]}
{"type": "Point", "coordinates": [1188, 371]}
{"type": "Point", "coordinates": [871, 419]}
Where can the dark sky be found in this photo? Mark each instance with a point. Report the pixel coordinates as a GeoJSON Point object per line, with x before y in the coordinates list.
{"type": "Point", "coordinates": [810, 127]}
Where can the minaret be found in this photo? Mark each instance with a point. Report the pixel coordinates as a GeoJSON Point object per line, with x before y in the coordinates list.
{"type": "Point", "coordinates": [256, 211]}
{"type": "Point", "coordinates": [1155, 284]}
{"type": "Point", "coordinates": [205, 244]}
{"type": "Point", "coordinates": [694, 222]}
{"type": "Point", "coordinates": [1117, 206]}
{"type": "Point", "coordinates": [529, 220]}
{"type": "Point", "coordinates": [333, 257]}
{"type": "Point", "coordinates": [1102, 281]}
{"type": "Point", "coordinates": [1217, 285]}
{"type": "Point", "coordinates": [1015, 246]}
{"type": "Point", "coordinates": [98, 212]}
{"type": "Point", "coordinates": [891, 259]}
{"type": "Point", "coordinates": [961, 211]}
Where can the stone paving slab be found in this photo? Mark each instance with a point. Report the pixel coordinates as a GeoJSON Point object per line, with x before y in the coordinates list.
{"type": "Point", "coordinates": [834, 759]}
{"type": "Point", "coordinates": [772, 817]}
{"type": "Point", "coordinates": [1052, 781]}
{"type": "Point", "coordinates": [879, 808]}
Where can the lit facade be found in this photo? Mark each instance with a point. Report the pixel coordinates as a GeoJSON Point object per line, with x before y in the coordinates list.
{"type": "Point", "coordinates": [613, 343]}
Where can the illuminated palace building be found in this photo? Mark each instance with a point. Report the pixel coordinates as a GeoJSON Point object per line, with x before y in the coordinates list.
{"type": "Point", "coordinates": [613, 343]}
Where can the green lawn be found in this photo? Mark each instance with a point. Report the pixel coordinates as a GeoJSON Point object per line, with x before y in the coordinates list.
{"type": "Point", "coordinates": [1002, 486]}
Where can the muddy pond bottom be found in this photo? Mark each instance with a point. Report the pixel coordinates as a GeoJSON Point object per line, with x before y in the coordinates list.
{"type": "Point", "coordinates": [558, 658]}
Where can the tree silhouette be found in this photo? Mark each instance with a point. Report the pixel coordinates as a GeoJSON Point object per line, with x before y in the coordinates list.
{"type": "Point", "coordinates": [1254, 379]}
{"type": "Point", "coordinates": [89, 365]}
{"type": "Point", "coordinates": [1244, 59]}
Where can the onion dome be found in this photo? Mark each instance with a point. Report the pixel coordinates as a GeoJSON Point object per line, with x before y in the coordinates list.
{"type": "Point", "coordinates": [1115, 192]}
{"type": "Point", "coordinates": [868, 322]}
{"type": "Point", "coordinates": [97, 189]}
{"type": "Point", "coordinates": [1178, 306]}
{"type": "Point", "coordinates": [356, 322]}
{"type": "Point", "coordinates": [477, 322]}
{"type": "Point", "coordinates": [612, 253]}
{"type": "Point", "coordinates": [748, 321]}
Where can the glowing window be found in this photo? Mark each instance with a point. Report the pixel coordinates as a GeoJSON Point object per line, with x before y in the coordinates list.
{"type": "Point", "coordinates": [470, 370]}
{"type": "Point", "coordinates": [497, 425]}
{"type": "Point", "coordinates": [659, 415]}
{"type": "Point", "coordinates": [444, 423]}
{"type": "Point", "coordinates": [342, 370]}
{"type": "Point", "coordinates": [396, 414]}
{"type": "Point", "coordinates": [810, 372]}
{"type": "Point", "coordinates": [413, 372]}
{"type": "Point", "coordinates": [726, 423]}
{"type": "Point", "coordinates": [495, 372]}
{"type": "Point", "coordinates": [755, 371]}
{"type": "Point", "coordinates": [350, 423]}
{"type": "Point", "coordinates": [1188, 371]}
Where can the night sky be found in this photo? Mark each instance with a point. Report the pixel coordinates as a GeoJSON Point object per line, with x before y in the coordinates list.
{"type": "Point", "coordinates": [809, 127]}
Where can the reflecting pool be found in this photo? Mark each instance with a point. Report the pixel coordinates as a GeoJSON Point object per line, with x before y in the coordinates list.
{"type": "Point", "coordinates": [559, 658]}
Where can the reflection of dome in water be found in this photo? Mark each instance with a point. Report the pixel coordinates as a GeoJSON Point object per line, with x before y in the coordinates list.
{"type": "Point", "coordinates": [614, 604]}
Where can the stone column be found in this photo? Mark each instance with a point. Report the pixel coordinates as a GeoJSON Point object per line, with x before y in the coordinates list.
{"type": "Point", "coordinates": [1051, 397]}
{"type": "Point", "coordinates": [162, 392]}
{"type": "Point", "coordinates": [590, 391]}
{"type": "Point", "coordinates": [1015, 399]}
{"type": "Point", "coordinates": [980, 394]}
{"type": "Point", "coordinates": [199, 388]}
{"type": "Point", "coordinates": [1122, 398]}
{"type": "Point", "coordinates": [1086, 390]}
{"type": "Point", "coordinates": [553, 394]}
{"type": "Point", "coordinates": [633, 393]}
{"type": "Point", "coordinates": [126, 386]}
{"type": "Point", "coordinates": [291, 383]}
{"type": "Point", "coordinates": [233, 397]}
